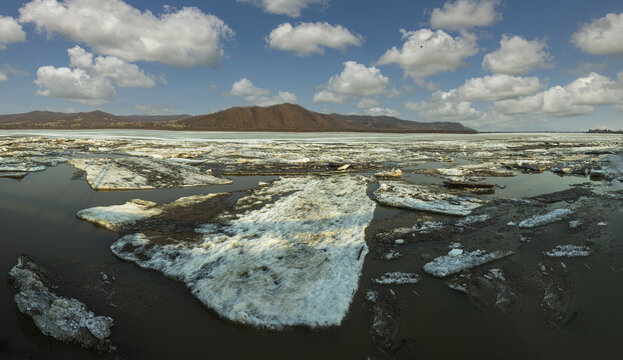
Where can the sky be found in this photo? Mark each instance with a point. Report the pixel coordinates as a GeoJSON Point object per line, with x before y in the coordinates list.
{"type": "Point", "coordinates": [492, 65]}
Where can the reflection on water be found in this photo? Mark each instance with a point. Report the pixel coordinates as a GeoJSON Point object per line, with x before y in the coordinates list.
{"type": "Point", "coordinates": [158, 318]}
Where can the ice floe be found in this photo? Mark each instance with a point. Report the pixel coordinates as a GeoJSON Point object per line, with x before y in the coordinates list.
{"type": "Point", "coordinates": [115, 216]}
{"type": "Point", "coordinates": [457, 261]}
{"type": "Point", "coordinates": [569, 251]}
{"type": "Point", "coordinates": [296, 260]}
{"type": "Point", "coordinates": [472, 219]}
{"type": "Point", "coordinates": [398, 278]}
{"type": "Point", "coordinates": [546, 219]}
{"type": "Point", "coordinates": [140, 173]}
{"type": "Point", "coordinates": [422, 198]}
{"type": "Point", "coordinates": [64, 319]}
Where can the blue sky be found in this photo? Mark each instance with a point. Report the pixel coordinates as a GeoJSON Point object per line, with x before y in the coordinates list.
{"type": "Point", "coordinates": [489, 64]}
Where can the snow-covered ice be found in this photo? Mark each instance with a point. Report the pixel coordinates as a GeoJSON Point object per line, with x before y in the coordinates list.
{"type": "Point", "coordinates": [455, 262]}
{"type": "Point", "coordinates": [141, 173]}
{"type": "Point", "coordinates": [295, 261]}
{"type": "Point", "coordinates": [115, 216]}
{"type": "Point", "coordinates": [546, 219]}
{"type": "Point", "coordinates": [421, 198]}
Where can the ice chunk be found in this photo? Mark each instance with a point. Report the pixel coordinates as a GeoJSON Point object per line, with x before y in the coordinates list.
{"type": "Point", "coordinates": [62, 318]}
{"type": "Point", "coordinates": [393, 173]}
{"type": "Point", "coordinates": [397, 278]}
{"type": "Point", "coordinates": [574, 224]}
{"type": "Point", "coordinates": [452, 264]}
{"type": "Point", "coordinates": [455, 252]}
{"type": "Point", "coordinates": [392, 255]}
{"type": "Point", "coordinates": [295, 261]}
{"type": "Point", "coordinates": [421, 198]}
{"type": "Point", "coordinates": [569, 251]}
{"type": "Point", "coordinates": [546, 219]}
{"type": "Point", "coordinates": [399, 241]}
{"type": "Point", "coordinates": [473, 219]}
{"type": "Point", "coordinates": [116, 216]}
{"type": "Point", "coordinates": [140, 173]}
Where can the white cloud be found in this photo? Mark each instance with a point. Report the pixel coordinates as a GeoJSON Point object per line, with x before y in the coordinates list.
{"type": "Point", "coordinates": [10, 31]}
{"type": "Point", "coordinates": [498, 87]}
{"type": "Point", "coordinates": [555, 101]}
{"type": "Point", "coordinates": [185, 37]}
{"type": "Point", "coordinates": [445, 105]}
{"type": "Point", "coordinates": [354, 81]}
{"type": "Point", "coordinates": [367, 103]}
{"type": "Point", "coordinates": [464, 14]}
{"type": "Point", "coordinates": [596, 89]}
{"type": "Point", "coordinates": [244, 87]}
{"type": "Point", "coordinates": [74, 84]}
{"type": "Point", "coordinates": [577, 98]}
{"type": "Point", "coordinates": [308, 38]}
{"type": "Point", "coordinates": [426, 52]}
{"type": "Point", "coordinates": [152, 109]}
{"type": "Point", "coordinates": [10, 69]}
{"type": "Point", "coordinates": [379, 111]}
{"type": "Point", "coordinates": [602, 36]}
{"type": "Point", "coordinates": [90, 81]}
{"type": "Point", "coordinates": [517, 56]}
{"type": "Point", "coordinates": [257, 96]}
{"type": "Point", "coordinates": [284, 7]}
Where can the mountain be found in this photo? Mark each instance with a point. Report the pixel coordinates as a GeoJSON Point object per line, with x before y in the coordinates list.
{"type": "Point", "coordinates": [282, 117]}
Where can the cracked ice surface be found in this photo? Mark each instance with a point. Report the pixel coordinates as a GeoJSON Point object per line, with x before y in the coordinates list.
{"type": "Point", "coordinates": [421, 198]}
{"type": "Point", "coordinates": [295, 261]}
{"type": "Point", "coordinates": [546, 219]}
{"type": "Point", "coordinates": [569, 251]}
{"type": "Point", "coordinates": [62, 318]}
{"type": "Point", "coordinates": [137, 173]}
{"type": "Point", "coordinates": [457, 262]}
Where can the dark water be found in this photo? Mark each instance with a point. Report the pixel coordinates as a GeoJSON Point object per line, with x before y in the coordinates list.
{"type": "Point", "coordinates": [157, 318]}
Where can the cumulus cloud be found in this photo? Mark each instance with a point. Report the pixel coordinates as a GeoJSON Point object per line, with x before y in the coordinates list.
{"type": "Point", "coordinates": [577, 98]}
{"type": "Point", "coordinates": [354, 81]}
{"type": "Point", "coordinates": [184, 37]}
{"type": "Point", "coordinates": [10, 31]}
{"type": "Point", "coordinates": [308, 38]}
{"type": "Point", "coordinates": [426, 52]}
{"type": "Point", "coordinates": [464, 14]}
{"type": "Point", "coordinates": [498, 87]}
{"type": "Point", "coordinates": [367, 103]}
{"type": "Point", "coordinates": [517, 56]}
{"type": "Point", "coordinates": [255, 95]}
{"type": "Point", "coordinates": [445, 105]}
{"type": "Point", "coordinates": [90, 81]}
{"type": "Point", "coordinates": [602, 36]}
{"type": "Point", "coordinates": [290, 8]}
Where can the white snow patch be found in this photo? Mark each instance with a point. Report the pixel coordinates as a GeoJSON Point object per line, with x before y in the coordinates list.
{"type": "Point", "coordinates": [417, 197]}
{"type": "Point", "coordinates": [545, 219]}
{"type": "Point", "coordinates": [448, 264]}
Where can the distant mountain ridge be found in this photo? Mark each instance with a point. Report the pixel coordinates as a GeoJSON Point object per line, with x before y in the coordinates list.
{"type": "Point", "coordinates": [282, 117]}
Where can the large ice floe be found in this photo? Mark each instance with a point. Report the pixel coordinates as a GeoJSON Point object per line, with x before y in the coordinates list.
{"type": "Point", "coordinates": [457, 261]}
{"type": "Point", "coordinates": [62, 318]}
{"type": "Point", "coordinates": [286, 254]}
{"type": "Point", "coordinates": [140, 173]}
{"type": "Point", "coordinates": [422, 198]}
{"type": "Point", "coordinates": [546, 219]}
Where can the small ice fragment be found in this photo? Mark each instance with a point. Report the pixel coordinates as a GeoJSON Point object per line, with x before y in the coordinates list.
{"type": "Point", "coordinates": [343, 167]}
{"type": "Point", "coordinates": [455, 245]}
{"type": "Point", "coordinates": [392, 291]}
{"type": "Point", "coordinates": [574, 224]}
{"type": "Point", "coordinates": [455, 252]}
{"type": "Point", "coordinates": [392, 255]}
{"type": "Point", "coordinates": [569, 251]}
{"type": "Point", "coordinates": [545, 219]}
{"type": "Point", "coordinates": [602, 223]}
{"type": "Point", "coordinates": [511, 223]}
{"type": "Point", "coordinates": [397, 278]}
{"type": "Point", "coordinates": [399, 241]}
{"type": "Point", "coordinates": [448, 265]}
